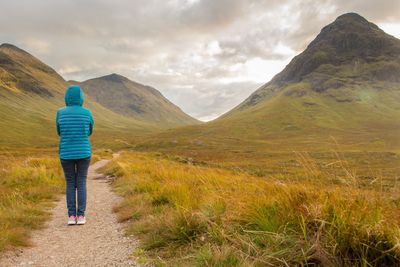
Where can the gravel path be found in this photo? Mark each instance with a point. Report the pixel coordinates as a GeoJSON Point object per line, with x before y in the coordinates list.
{"type": "Point", "coordinates": [100, 242]}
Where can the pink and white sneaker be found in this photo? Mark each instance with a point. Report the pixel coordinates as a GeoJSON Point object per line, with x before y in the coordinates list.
{"type": "Point", "coordinates": [71, 220]}
{"type": "Point", "coordinates": [81, 220]}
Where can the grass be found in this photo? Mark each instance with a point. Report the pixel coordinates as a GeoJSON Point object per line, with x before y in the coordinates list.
{"type": "Point", "coordinates": [29, 185]}
{"type": "Point", "coordinates": [361, 117]}
{"type": "Point", "coordinates": [102, 153]}
{"type": "Point", "coordinates": [373, 169]}
{"type": "Point", "coordinates": [30, 181]}
{"type": "Point", "coordinates": [198, 215]}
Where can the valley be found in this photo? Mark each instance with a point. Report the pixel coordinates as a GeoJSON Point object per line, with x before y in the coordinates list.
{"type": "Point", "coordinates": [304, 172]}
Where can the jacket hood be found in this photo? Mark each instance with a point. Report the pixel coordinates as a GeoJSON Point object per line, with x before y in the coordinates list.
{"type": "Point", "coordinates": [74, 96]}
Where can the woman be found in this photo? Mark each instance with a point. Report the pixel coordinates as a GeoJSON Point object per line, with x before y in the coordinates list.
{"type": "Point", "coordinates": [74, 126]}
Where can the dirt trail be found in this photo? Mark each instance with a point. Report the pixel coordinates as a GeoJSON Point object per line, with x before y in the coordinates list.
{"type": "Point", "coordinates": [98, 243]}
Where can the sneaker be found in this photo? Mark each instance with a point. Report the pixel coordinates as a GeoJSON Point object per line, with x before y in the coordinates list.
{"type": "Point", "coordinates": [71, 220]}
{"type": "Point", "coordinates": [81, 220]}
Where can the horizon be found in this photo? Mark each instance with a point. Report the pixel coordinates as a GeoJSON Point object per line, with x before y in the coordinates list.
{"type": "Point", "coordinates": [223, 55]}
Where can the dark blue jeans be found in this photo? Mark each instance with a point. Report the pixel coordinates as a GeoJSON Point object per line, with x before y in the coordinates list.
{"type": "Point", "coordinates": [75, 171]}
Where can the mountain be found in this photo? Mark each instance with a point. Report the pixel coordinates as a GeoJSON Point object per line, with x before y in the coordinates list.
{"type": "Point", "coordinates": [129, 98]}
{"type": "Point", "coordinates": [21, 72]}
{"type": "Point", "coordinates": [345, 86]}
{"type": "Point", "coordinates": [347, 52]}
{"type": "Point", "coordinates": [30, 94]}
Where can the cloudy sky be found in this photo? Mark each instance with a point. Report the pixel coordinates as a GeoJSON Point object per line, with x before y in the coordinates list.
{"type": "Point", "coordinates": [206, 56]}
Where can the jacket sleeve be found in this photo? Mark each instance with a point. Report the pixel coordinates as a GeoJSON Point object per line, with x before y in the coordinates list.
{"type": "Point", "coordinates": [57, 124]}
{"type": "Point", "coordinates": [91, 125]}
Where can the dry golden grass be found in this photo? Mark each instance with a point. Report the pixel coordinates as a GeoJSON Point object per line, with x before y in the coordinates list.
{"type": "Point", "coordinates": [206, 216]}
{"type": "Point", "coordinates": [100, 154]}
{"type": "Point", "coordinates": [29, 185]}
{"type": "Point", "coordinates": [30, 181]}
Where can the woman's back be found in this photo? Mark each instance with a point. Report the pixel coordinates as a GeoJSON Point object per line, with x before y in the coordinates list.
{"type": "Point", "coordinates": [74, 125]}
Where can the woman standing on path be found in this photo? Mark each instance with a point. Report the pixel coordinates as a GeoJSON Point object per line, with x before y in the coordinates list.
{"type": "Point", "coordinates": [74, 126]}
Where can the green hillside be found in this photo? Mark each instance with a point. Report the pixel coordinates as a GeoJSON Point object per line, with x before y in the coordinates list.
{"type": "Point", "coordinates": [29, 120]}
{"type": "Point", "coordinates": [344, 88]}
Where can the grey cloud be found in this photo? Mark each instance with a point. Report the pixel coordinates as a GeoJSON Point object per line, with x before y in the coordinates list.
{"type": "Point", "coordinates": [211, 14]}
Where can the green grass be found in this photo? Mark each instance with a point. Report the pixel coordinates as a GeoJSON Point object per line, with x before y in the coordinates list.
{"type": "Point", "coordinates": [199, 215]}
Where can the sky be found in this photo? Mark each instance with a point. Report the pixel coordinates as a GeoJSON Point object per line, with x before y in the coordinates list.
{"type": "Point", "coordinates": [206, 56]}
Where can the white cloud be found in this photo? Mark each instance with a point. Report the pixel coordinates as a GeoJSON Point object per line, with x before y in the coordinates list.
{"type": "Point", "coordinates": [38, 45]}
{"type": "Point", "coordinates": [391, 28]}
{"type": "Point", "coordinates": [261, 70]}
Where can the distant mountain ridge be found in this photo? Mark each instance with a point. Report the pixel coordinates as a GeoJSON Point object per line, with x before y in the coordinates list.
{"type": "Point", "coordinates": [130, 98]}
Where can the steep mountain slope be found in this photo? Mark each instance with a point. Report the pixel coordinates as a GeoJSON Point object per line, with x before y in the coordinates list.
{"type": "Point", "coordinates": [345, 85]}
{"type": "Point", "coordinates": [350, 51]}
{"type": "Point", "coordinates": [30, 94]}
{"type": "Point", "coordinates": [129, 98]}
{"type": "Point", "coordinates": [21, 72]}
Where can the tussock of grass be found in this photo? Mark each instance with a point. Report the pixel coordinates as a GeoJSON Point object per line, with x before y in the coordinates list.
{"type": "Point", "coordinates": [100, 154]}
{"type": "Point", "coordinates": [196, 215]}
{"type": "Point", "coordinates": [27, 188]}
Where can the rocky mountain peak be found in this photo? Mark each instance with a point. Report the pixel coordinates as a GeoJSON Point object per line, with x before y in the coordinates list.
{"type": "Point", "coordinates": [114, 78]}
{"type": "Point", "coordinates": [348, 39]}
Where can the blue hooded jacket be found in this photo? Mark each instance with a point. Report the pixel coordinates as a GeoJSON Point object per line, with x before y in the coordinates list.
{"type": "Point", "coordinates": [74, 126]}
